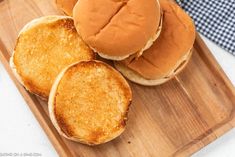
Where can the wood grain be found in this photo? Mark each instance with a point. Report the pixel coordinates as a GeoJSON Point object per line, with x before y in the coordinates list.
{"type": "Point", "coordinates": [173, 119]}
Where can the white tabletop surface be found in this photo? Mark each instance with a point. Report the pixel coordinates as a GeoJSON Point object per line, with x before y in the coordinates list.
{"type": "Point", "coordinates": [21, 133]}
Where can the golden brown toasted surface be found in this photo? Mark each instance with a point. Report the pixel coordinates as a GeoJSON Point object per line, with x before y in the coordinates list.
{"type": "Point", "coordinates": [117, 27]}
{"type": "Point", "coordinates": [66, 6]}
{"type": "Point", "coordinates": [91, 102]}
{"type": "Point", "coordinates": [44, 49]}
{"type": "Point", "coordinates": [175, 41]}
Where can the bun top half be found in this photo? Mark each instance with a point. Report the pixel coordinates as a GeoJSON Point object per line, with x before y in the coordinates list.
{"type": "Point", "coordinates": [117, 28]}
{"type": "Point", "coordinates": [173, 45]}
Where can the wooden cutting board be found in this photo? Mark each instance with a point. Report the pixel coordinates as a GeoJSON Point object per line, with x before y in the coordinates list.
{"type": "Point", "coordinates": [173, 119]}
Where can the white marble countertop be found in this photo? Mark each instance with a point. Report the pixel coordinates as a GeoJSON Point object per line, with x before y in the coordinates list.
{"type": "Point", "coordinates": [21, 133]}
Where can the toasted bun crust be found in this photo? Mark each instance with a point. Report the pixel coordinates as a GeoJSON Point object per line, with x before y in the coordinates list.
{"type": "Point", "coordinates": [44, 47]}
{"type": "Point", "coordinates": [66, 6]}
{"type": "Point", "coordinates": [169, 50]}
{"type": "Point", "coordinates": [89, 102]}
{"type": "Point", "coordinates": [117, 29]}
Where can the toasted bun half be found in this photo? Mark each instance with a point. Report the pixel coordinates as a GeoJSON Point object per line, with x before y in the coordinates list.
{"type": "Point", "coordinates": [66, 6]}
{"type": "Point", "coordinates": [43, 48]}
{"type": "Point", "coordinates": [89, 102]}
{"type": "Point", "coordinates": [116, 29]}
{"type": "Point", "coordinates": [169, 53]}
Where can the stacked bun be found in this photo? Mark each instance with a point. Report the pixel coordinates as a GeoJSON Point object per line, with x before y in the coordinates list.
{"type": "Point", "coordinates": [150, 42]}
{"type": "Point", "coordinates": [168, 55]}
{"type": "Point", "coordinates": [54, 58]}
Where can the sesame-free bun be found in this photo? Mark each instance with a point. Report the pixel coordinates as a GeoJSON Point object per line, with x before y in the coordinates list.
{"type": "Point", "coordinates": [89, 102]}
{"type": "Point", "coordinates": [116, 29]}
{"type": "Point", "coordinates": [44, 47]}
{"type": "Point", "coordinates": [137, 78]}
{"type": "Point", "coordinates": [170, 52]}
{"type": "Point", "coordinates": [66, 6]}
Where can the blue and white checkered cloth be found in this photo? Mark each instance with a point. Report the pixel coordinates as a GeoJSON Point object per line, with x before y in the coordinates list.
{"type": "Point", "coordinates": [215, 19]}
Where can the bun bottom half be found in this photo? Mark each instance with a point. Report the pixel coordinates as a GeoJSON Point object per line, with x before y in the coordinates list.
{"type": "Point", "coordinates": [38, 57]}
{"type": "Point", "coordinates": [89, 102]}
{"type": "Point", "coordinates": [139, 79]}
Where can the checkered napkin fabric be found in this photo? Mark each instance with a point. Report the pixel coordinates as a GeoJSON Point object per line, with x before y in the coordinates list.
{"type": "Point", "coordinates": [215, 19]}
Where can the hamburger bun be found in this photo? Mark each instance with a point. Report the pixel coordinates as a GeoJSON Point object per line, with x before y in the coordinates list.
{"type": "Point", "coordinates": [170, 52]}
{"type": "Point", "coordinates": [118, 29]}
{"type": "Point", "coordinates": [137, 78]}
{"type": "Point", "coordinates": [66, 6]}
{"type": "Point", "coordinates": [44, 47]}
{"type": "Point", "coordinates": [89, 102]}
